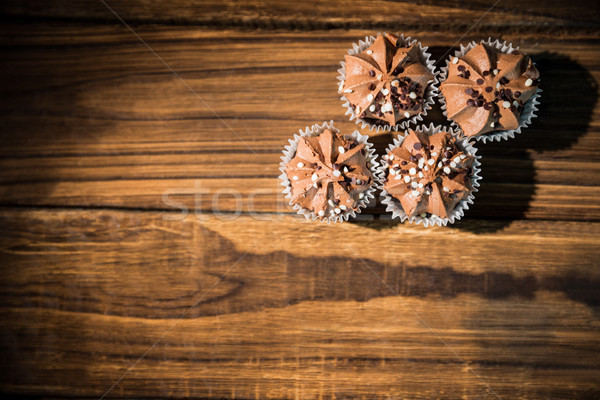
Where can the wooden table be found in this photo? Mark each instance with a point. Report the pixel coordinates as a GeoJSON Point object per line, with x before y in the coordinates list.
{"type": "Point", "coordinates": [146, 250]}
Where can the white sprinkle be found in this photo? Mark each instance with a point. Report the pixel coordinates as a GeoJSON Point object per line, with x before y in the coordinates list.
{"type": "Point", "coordinates": [407, 179]}
{"type": "Point", "coordinates": [445, 159]}
{"type": "Point", "coordinates": [456, 159]}
{"type": "Point", "coordinates": [423, 215]}
{"type": "Point", "coordinates": [462, 156]}
{"type": "Point", "coordinates": [398, 177]}
{"type": "Point", "coordinates": [315, 185]}
{"type": "Point", "coordinates": [385, 92]}
{"type": "Point", "coordinates": [495, 72]}
{"type": "Point", "coordinates": [440, 164]}
{"type": "Point", "coordinates": [455, 60]}
{"type": "Point", "coordinates": [528, 82]}
{"type": "Point", "coordinates": [420, 186]}
{"type": "Point", "coordinates": [448, 148]}
{"type": "Point", "coordinates": [358, 182]}
{"type": "Point", "coordinates": [345, 170]}
{"type": "Point", "coordinates": [415, 193]}
{"type": "Point", "coordinates": [426, 168]}
{"type": "Point", "coordinates": [431, 161]}
{"type": "Point", "coordinates": [412, 95]}
{"type": "Point", "coordinates": [393, 171]}
{"type": "Point", "coordinates": [446, 189]}
{"type": "Point", "coordinates": [321, 213]}
{"type": "Point", "coordinates": [412, 171]}
{"type": "Point", "coordinates": [348, 91]}
{"type": "Point", "coordinates": [492, 124]}
{"type": "Point", "coordinates": [391, 157]}
{"type": "Point", "coordinates": [331, 203]}
{"type": "Point", "coordinates": [387, 107]}
{"type": "Point", "coordinates": [343, 207]}
{"type": "Point", "coordinates": [406, 114]}
{"type": "Point", "coordinates": [421, 162]}
{"type": "Point", "coordinates": [337, 211]}
{"type": "Point", "coordinates": [379, 76]}
{"type": "Point", "coordinates": [427, 192]}
{"type": "Point", "coordinates": [295, 178]}
{"type": "Point", "coordinates": [314, 177]}
{"type": "Point", "coordinates": [433, 153]}
{"type": "Point", "coordinates": [516, 103]}
{"type": "Point", "coordinates": [414, 185]}
{"type": "Point", "coordinates": [372, 108]}
{"type": "Point", "coordinates": [421, 174]}
{"type": "Point", "coordinates": [341, 150]}
{"type": "Point", "coordinates": [395, 82]}
{"type": "Point", "coordinates": [336, 173]}
{"type": "Point", "coordinates": [452, 164]}
{"type": "Point", "coordinates": [369, 52]}
{"type": "Point", "coordinates": [498, 85]}
{"type": "Point", "coordinates": [447, 170]}
{"type": "Point", "coordinates": [361, 195]}
{"type": "Point", "coordinates": [331, 212]}
{"type": "Point", "coordinates": [506, 104]}
{"type": "Point", "coordinates": [370, 97]}
{"type": "Point", "coordinates": [300, 164]}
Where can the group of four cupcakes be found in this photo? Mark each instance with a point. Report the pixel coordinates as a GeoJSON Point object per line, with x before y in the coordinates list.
{"type": "Point", "coordinates": [489, 91]}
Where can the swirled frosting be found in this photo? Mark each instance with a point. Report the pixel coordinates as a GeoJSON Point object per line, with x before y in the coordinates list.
{"type": "Point", "coordinates": [428, 175]}
{"type": "Point", "coordinates": [386, 82]}
{"type": "Point", "coordinates": [487, 89]}
{"type": "Point", "coordinates": [329, 174]}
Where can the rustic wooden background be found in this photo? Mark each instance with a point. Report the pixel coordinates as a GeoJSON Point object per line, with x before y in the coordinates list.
{"type": "Point", "coordinates": [110, 290]}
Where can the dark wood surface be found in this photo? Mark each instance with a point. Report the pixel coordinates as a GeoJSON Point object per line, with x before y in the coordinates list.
{"type": "Point", "coordinates": [129, 269]}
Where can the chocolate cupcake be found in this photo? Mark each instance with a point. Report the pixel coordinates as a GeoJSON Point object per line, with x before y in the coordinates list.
{"type": "Point", "coordinates": [429, 176]}
{"type": "Point", "coordinates": [489, 90]}
{"type": "Point", "coordinates": [387, 82]}
{"type": "Point", "coordinates": [327, 175]}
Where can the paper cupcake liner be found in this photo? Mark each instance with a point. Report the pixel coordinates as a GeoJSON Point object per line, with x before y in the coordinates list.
{"type": "Point", "coordinates": [394, 206]}
{"type": "Point", "coordinates": [431, 92]}
{"type": "Point", "coordinates": [529, 108]}
{"type": "Point", "coordinates": [290, 151]}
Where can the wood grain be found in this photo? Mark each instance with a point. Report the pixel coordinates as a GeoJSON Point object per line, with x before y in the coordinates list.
{"type": "Point", "coordinates": [476, 15]}
{"type": "Point", "coordinates": [145, 244]}
{"type": "Point", "coordinates": [309, 322]}
{"type": "Point", "coordinates": [87, 134]}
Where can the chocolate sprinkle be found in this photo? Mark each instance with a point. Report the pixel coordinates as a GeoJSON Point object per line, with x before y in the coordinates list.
{"type": "Point", "coordinates": [417, 146]}
{"type": "Point", "coordinates": [371, 73]}
{"type": "Point", "coordinates": [461, 68]}
{"type": "Point", "coordinates": [480, 81]}
{"type": "Point", "coordinates": [517, 94]}
{"type": "Point", "coordinates": [372, 86]}
{"type": "Point", "coordinates": [489, 89]}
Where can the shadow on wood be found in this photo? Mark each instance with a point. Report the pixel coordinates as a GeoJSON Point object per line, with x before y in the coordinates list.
{"type": "Point", "coordinates": [567, 103]}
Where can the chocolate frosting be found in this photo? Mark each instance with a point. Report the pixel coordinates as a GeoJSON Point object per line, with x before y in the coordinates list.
{"type": "Point", "coordinates": [329, 174]}
{"type": "Point", "coordinates": [486, 89]}
{"type": "Point", "coordinates": [429, 175]}
{"type": "Point", "coordinates": [386, 82]}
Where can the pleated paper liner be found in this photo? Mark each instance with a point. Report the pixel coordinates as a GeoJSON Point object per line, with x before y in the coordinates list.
{"type": "Point", "coordinates": [393, 205]}
{"type": "Point", "coordinates": [431, 92]}
{"type": "Point", "coordinates": [290, 151]}
{"type": "Point", "coordinates": [529, 108]}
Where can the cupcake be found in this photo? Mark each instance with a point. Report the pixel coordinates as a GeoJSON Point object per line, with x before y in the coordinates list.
{"type": "Point", "coordinates": [387, 82]}
{"type": "Point", "coordinates": [327, 175]}
{"type": "Point", "coordinates": [429, 176]}
{"type": "Point", "coordinates": [490, 90]}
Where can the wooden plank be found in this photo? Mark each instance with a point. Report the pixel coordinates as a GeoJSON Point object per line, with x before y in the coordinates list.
{"type": "Point", "coordinates": [96, 120]}
{"type": "Point", "coordinates": [512, 15]}
{"type": "Point", "coordinates": [86, 293]}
